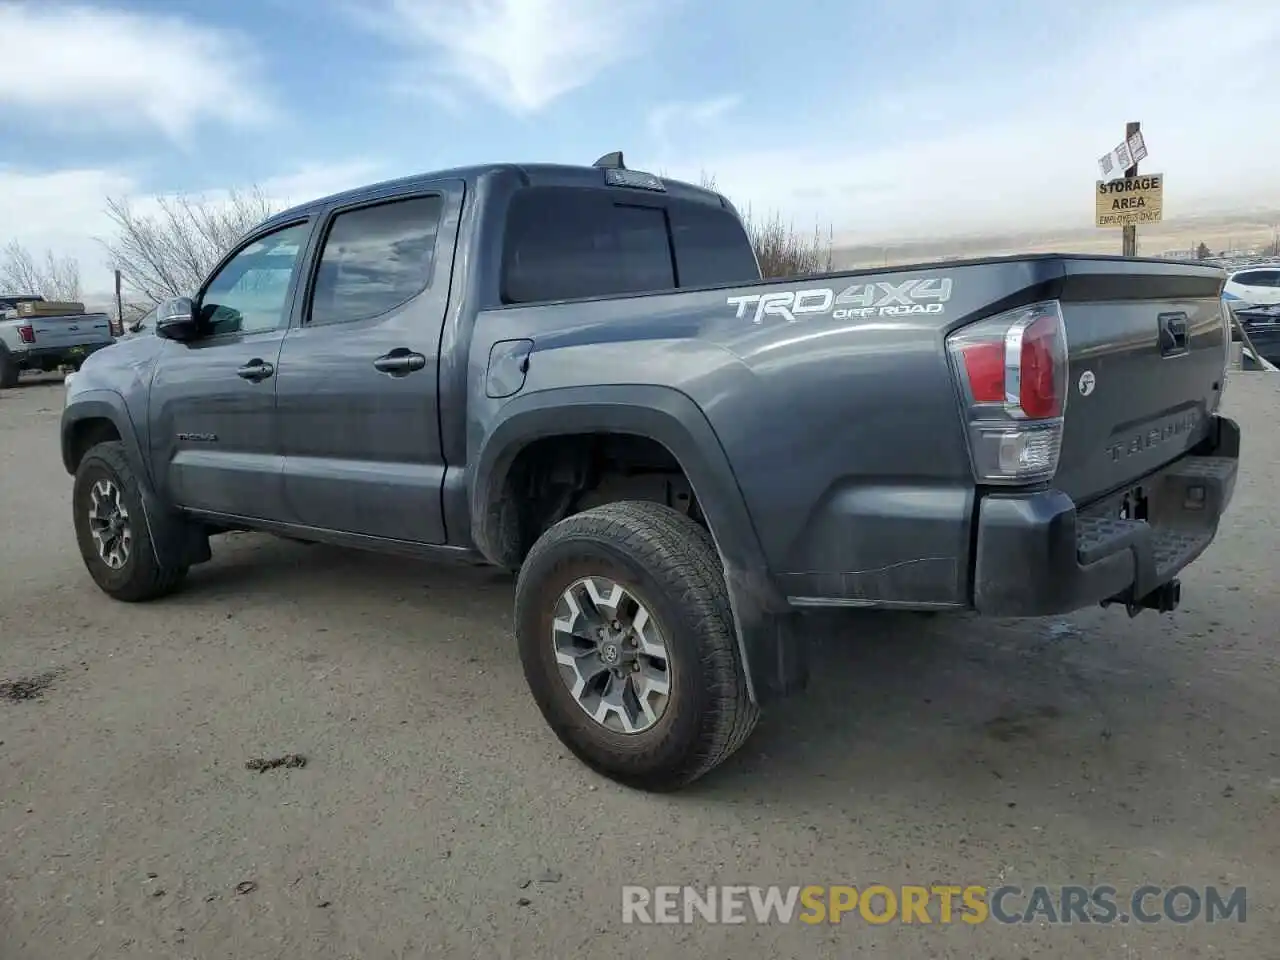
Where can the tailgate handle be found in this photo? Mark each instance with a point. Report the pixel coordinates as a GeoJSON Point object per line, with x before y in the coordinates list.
{"type": "Point", "coordinates": [1173, 334]}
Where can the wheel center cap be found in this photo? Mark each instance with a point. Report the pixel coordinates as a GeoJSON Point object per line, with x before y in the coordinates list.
{"type": "Point", "coordinates": [610, 653]}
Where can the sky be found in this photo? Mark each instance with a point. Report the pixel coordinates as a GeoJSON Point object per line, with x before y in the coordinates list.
{"type": "Point", "coordinates": [882, 120]}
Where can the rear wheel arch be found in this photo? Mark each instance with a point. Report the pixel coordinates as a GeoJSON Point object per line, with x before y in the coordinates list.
{"type": "Point", "coordinates": [551, 477]}
{"type": "Point", "coordinates": [671, 420]}
{"type": "Point", "coordinates": [659, 424]}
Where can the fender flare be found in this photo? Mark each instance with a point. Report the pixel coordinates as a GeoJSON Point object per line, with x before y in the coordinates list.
{"type": "Point", "coordinates": [175, 541]}
{"type": "Point", "coordinates": [771, 651]}
{"type": "Point", "coordinates": [99, 404]}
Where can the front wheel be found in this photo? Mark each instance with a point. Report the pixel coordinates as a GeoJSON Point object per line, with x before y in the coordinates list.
{"type": "Point", "coordinates": [626, 638]}
{"type": "Point", "coordinates": [8, 369]}
{"type": "Point", "coordinates": [111, 529]}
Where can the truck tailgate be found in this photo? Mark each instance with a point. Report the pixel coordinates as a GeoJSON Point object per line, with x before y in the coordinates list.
{"type": "Point", "coordinates": [1147, 348]}
{"type": "Point", "coordinates": [74, 330]}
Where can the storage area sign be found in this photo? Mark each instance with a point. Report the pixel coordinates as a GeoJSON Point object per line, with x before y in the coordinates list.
{"type": "Point", "coordinates": [1130, 201]}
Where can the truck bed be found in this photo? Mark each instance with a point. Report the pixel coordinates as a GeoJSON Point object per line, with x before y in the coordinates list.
{"type": "Point", "coordinates": [69, 330]}
{"type": "Point", "coordinates": [835, 401]}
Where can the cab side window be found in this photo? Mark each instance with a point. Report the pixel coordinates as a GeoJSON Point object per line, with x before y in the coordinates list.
{"type": "Point", "coordinates": [250, 294]}
{"type": "Point", "coordinates": [375, 259]}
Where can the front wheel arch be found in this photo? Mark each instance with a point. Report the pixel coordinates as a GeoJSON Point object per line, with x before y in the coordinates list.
{"type": "Point", "coordinates": [87, 433]}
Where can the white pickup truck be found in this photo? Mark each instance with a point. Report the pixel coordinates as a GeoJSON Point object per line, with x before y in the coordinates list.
{"type": "Point", "coordinates": [32, 340]}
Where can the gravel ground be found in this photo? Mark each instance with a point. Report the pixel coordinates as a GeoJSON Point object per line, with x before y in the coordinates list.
{"type": "Point", "coordinates": [437, 816]}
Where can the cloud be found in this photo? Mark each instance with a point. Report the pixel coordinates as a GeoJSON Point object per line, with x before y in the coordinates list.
{"type": "Point", "coordinates": [61, 211]}
{"type": "Point", "coordinates": [678, 117]}
{"type": "Point", "coordinates": [1013, 142]}
{"type": "Point", "coordinates": [313, 181]}
{"type": "Point", "coordinates": [520, 54]}
{"type": "Point", "coordinates": [65, 210]}
{"type": "Point", "coordinates": [76, 67]}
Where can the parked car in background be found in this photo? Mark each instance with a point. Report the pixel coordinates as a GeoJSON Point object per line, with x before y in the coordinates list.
{"type": "Point", "coordinates": [1262, 324]}
{"type": "Point", "coordinates": [37, 335]}
{"type": "Point", "coordinates": [1253, 286]}
{"type": "Point", "coordinates": [144, 326]}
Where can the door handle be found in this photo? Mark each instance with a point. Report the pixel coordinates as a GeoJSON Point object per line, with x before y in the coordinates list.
{"type": "Point", "coordinates": [256, 370]}
{"type": "Point", "coordinates": [400, 362]}
{"type": "Point", "coordinates": [1173, 334]}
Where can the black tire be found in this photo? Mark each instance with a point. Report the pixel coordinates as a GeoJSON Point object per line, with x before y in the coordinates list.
{"type": "Point", "coordinates": [8, 370]}
{"type": "Point", "coordinates": [671, 562]}
{"type": "Point", "coordinates": [141, 577]}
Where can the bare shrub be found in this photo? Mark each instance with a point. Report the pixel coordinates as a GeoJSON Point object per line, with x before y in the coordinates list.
{"type": "Point", "coordinates": [54, 277]}
{"type": "Point", "coordinates": [782, 250]}
{"type": "Point", "coordinates": [169, 253]}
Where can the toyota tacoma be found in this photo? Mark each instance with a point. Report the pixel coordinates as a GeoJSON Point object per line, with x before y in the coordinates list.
{"type": "Point", "coordinates": [578, 374]}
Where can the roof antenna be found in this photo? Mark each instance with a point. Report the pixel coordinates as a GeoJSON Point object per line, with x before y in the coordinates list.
{"type": "Point", "coordinates": [611, 161]}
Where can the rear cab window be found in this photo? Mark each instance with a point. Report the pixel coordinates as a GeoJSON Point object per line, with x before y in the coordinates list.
{"type": "Point", "coordinates": [567, 243]}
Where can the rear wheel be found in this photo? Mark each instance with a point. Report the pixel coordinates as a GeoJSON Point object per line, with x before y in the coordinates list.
{"type": "Point", "coordinates": [111, 529]}
{"type": "Point", "coordinates": [627, 642]}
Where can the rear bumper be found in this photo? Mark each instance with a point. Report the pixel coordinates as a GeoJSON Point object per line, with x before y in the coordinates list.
{"type": "Point", "coordinates": [38, 356]}
{"type": "Point", "coordinates": [1038, 554]}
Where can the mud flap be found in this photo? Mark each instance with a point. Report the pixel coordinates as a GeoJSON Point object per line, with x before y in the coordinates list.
{"type": "Point", "coordinates": [773, 648]}
{"type": "Point", "coordinates": [177, 541]}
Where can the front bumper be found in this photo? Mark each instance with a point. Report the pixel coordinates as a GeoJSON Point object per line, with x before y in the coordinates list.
{"type": "Point", "coordinates": [1038, 554]}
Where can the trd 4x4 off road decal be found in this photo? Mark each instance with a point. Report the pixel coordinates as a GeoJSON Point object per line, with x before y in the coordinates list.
{"type": "Point", "coordinates": [879, 298]}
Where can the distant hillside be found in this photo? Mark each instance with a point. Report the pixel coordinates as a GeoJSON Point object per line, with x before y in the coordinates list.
{"type": "Point", "coordinates": [1243, 233]}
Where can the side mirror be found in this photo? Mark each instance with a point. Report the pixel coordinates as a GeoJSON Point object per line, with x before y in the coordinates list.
{"type": "Point", "coordinates": [176, 320]}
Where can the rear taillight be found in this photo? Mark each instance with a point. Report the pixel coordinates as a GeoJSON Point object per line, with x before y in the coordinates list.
{"type": "Point", "coordinates": [26, 333]}
{"type": "Point", "coordinates": [1012, 370]}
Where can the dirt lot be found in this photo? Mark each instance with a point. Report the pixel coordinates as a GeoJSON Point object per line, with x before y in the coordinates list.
{"type": "Point", "coordinates": [437, 816]}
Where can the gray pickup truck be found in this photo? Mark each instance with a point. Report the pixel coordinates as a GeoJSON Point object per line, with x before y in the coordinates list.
{"type": "Point", "coordinates": [577, 373]}
{"type": "Point", "coordinates": [46, 343]}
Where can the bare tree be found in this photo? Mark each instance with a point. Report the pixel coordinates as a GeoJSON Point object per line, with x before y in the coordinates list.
{"type": "Point", "coordinates": [54, 278]}
{"type": "Point", "coordinates": [168, 253]}
{"type": "Point", "coordinates": [781, 251]}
